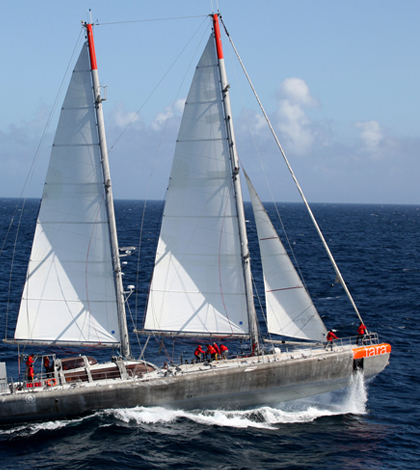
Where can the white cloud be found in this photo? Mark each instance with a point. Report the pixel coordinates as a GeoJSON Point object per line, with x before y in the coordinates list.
{"type": "Point", "coordinates": [293, 95]}
{"type": "Point", "coordinates": [168, 112]}
{"type": "Point", "coordinates": [371, 135]}
{"type": "Point", "coordinates": [296, 91]}
{"type": "Point", "coordinates": [121, 118]}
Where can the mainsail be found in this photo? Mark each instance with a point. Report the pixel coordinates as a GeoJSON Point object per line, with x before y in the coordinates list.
{"type": "Point", "coordinates": [198, 281]}
{"type": "Point", "coordinates": [69, 294]}
{"type": "Point", "coordinates": [290, 311]}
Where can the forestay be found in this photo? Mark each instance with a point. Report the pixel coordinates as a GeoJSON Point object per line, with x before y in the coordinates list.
{"type": "Point", "coordinates": [69, 294]}
{"type": "Point", "coordinates": [290, 310]}
{"type": "Point", "coordinates": [198, 281]}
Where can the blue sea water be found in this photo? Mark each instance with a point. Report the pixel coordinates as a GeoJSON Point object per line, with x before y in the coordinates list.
{"type": "Point", "coordinates": [371, 425]}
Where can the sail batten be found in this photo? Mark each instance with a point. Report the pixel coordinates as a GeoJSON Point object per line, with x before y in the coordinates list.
{"type": "Point", "coordinates": [69, 295]}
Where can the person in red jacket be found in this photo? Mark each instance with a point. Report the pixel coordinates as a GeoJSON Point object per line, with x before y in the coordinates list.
{"type": "Point", "coordinates": [30, 361]}
{"type": "Point", "coordinates": [361, 331]}
{"type": "Point", "coordinates": [216, 348]}
{"type": "Point", "coordinates": [223, 351]}
{"type": "Point", "coordinates": [330, 339]}
{"type": "Point", "coordinates": [30, 367]}
{"type": "Point", "coordinates": [199, 353]}
{"type": "Point", "coordinates": [211, 352]}
{"type": "Point", "coordinates": [31, 374]}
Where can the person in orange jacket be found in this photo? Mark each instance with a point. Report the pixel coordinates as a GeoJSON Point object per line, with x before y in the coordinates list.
{"type": "Point", "coordinates": [361, 331]}
{"type": "Point", "coordinates": [330, 339]}
{"type": "Point", "coordinates": [199, 353]}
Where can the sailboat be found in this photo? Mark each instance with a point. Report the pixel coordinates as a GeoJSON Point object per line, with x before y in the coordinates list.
{"type": "Point", "coordinates": [201, 286]}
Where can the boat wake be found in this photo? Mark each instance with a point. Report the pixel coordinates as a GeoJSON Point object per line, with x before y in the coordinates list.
{"type": "Point", "coordinates": [351, 400]}
{"type": "Point", "coordinates": [27, 430]}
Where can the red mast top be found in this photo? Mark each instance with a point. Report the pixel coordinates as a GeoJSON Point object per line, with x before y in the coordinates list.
{"type": "Point", "coordinates": [91, 47]}
{"type": "Point", "coordinates": [217, 36]}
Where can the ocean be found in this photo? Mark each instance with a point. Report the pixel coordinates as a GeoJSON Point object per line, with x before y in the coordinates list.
{"type": "Point", "coordinates": [370, 425]}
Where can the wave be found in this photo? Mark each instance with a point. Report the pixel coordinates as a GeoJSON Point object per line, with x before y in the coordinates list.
{"type": "Point", "coordinates": [30, 429]}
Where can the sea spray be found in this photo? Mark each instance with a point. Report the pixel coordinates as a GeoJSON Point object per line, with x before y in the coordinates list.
{"type": "Point", "coordinates": [350, 400]}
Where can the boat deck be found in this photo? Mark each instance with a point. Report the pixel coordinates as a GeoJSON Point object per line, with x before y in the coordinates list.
{"type": "Point", "coordinates": [150, 372]}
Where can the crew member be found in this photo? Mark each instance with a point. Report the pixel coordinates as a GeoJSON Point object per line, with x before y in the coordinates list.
{"type": "Point", "coordinates": [210, 352]}
{"type": "Point", "coordinates": [330, 339]}
{"type": "Point", "coordinates": [47, 365]}
{"type": "Point", "coordinates": [223, 351]}
{"type": "Point", "coordinates": [361, 331]}
{"type": "Point", "coordinates": [216, 348]}
{"type": "Point", "coordinates": [29, 364]}
{"type": "Point", "coordinates": [199, 353]}
{"type": "Point", "coordinates": [30, 361]}
{"type": "Point", "coordinates": [31, 374]}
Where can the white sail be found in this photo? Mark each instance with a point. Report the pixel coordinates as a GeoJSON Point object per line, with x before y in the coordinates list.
{"type": "Point", "coordinates": [198, 281]}
{"type": "Point", "coordinates": [290, 311]}
{"type": "Point", "coordinates": [69, 294]}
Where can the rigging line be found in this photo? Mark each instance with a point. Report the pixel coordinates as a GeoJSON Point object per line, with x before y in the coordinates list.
{"type": "Point", "coordinates": [261, 307]}
{"type": "Point", "coordinates": [132, 319]}
{"type": "Point", "coordinates": [156, 87]}
{"type": "Point", "coordinates": [266, 178]}
{"type": "Point", "coordinates": [29, 177]}
{"type": "Point", "coordinates": [157, 154]}
{"type": "Point", "coordinates": [152, 19]}
{"type": "Point", "coordinates": [324, 242]}
{"type": "Point", "coordinates": [318, 296]}
{"type": "Point", "coordinates": [292, 320]}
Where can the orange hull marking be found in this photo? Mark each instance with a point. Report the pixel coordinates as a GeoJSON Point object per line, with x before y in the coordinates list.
{"type": "Point", "coordinates": [369, 351]}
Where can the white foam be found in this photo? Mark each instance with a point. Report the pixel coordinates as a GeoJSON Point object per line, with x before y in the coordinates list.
{"type": "Point", "coordinates": [351, 400]}
{"type": "Point", "coordinates": [236, 419]}
{"type": "Point", "coordinates": [33, 428]}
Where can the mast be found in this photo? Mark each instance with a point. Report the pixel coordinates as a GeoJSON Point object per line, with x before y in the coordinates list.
{"type": "Point", "coordinates": [246, 259]}
{"type": "Point", "coordinates": [122, 320]}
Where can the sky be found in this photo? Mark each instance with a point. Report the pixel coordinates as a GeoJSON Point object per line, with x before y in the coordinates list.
{"type": "Point", "coordinates": [339, 81]}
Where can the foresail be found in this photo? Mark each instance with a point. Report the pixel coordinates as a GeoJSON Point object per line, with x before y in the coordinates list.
{"type": "Point", "coordinates": [69, 294]}
{"type": "Point", "coordinates": [290, 311]}
{"type": "Point", "coordinates": [198, 282]}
